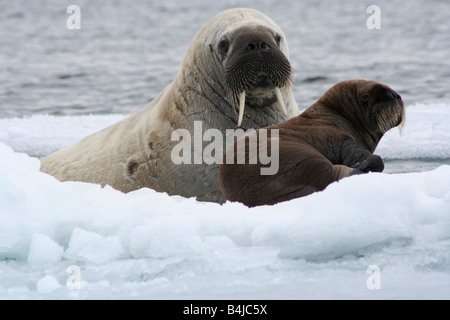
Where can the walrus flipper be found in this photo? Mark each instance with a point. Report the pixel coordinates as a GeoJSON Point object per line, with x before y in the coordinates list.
{"type": "Point", "coordinates": [359, 159]}
{"type": "Point", "coordinates": [373, 163]}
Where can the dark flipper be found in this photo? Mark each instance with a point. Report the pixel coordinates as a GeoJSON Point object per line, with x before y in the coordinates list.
{"type": "Point", "coordinates": [373, 163]}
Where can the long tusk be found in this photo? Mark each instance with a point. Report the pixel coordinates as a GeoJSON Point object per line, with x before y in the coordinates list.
{"type": "Point", "coordinates": [402, 124]}
{"type": "Point", "coordinates": [280, 100]}
{"type": "Point", "coordinates": [241, 107]}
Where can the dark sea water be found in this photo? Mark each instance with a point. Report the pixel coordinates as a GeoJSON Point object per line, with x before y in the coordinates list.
{"type": "Point", "coordinates": [126, 52]}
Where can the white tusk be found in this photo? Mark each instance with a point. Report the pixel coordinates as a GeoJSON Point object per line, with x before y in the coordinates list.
{"type": "Point", "coordinates": [241, 107]}
{"type": "Point", "coordinates": [280, 100]}
{"type": "Point", "coordinates": [402, 124]}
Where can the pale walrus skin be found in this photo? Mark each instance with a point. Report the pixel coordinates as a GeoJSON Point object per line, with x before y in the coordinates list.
{"type": "Point", "coordinates": [236, 72]}
{"type": "Point", "coordinates": [332, 139]}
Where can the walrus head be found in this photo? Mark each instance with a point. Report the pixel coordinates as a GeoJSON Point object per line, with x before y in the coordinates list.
{"type": "Point", "coordinates": [255, 67]}
{"type": "Point", "coordinates": [370, 106]}
{"type": "Point", "coordinates": [251, 61]}
{"type": "Point", "coordinates": [388, 108]}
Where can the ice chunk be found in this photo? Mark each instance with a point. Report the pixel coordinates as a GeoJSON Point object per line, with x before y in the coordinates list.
{"type": "Point", "coordinates": [43, 250]}
{"type": "Point", "coordinates": [47, 284]}
{"type": "Point", "coordinates": [91, 247]}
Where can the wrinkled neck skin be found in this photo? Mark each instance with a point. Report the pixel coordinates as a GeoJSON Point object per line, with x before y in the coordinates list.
{"type": "Point", "coordinates": [363, 134]}
{"type": "Point", "coordinates": [200, 89]}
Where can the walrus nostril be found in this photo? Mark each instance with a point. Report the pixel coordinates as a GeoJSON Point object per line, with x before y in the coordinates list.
{"type": "Point", "coordinates": [257, 45]}
{"type": "Point", "coordinates": [265, 46]}
{"type": "Point", "coordinates": [251, 46]}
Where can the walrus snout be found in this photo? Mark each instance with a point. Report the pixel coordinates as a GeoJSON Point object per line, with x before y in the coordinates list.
{"type": "Point", "coordinates": [390, 95]}
{"type": "Point", "coordinates": [395, 95]}
{"type": "Point", "coordinates": [255, 67]}
{"type": "Point", "coordinates": [254, 62]}
{"type": "Point", "coordinates": [263, 81]}
{"type": "Point", "coordinates": [390, 112]}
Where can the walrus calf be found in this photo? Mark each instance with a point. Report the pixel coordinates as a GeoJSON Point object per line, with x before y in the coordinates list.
{"type": "Point", "coordinates": [236, 72]}
{"type": "Point", "coordinates": [332, 139]}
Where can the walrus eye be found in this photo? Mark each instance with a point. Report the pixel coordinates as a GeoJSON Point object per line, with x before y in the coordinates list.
{"type": "Point", "coordinates": [278, 40]}
{"type": "Point", "coordinates": [224, 45]}
{"type": "Point", "coordinates": [365, 97]}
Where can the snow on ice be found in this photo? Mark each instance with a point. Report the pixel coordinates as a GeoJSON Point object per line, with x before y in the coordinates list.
{"type": "Point", "coordinates": [149, 245]}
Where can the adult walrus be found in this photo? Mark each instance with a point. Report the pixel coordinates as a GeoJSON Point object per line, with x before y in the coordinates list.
{"type": "Point", "coordinates": [236, 72]}
{"type": "Point", "coordinates": [332, 139]}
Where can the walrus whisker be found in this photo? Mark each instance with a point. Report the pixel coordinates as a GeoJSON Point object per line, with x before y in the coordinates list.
{"type": "Point", "coordinates": [241, 107]}
{"type": "Point", "coordinates": [280, 100]}
{"type": "Point", "coordinates": [388, 117]}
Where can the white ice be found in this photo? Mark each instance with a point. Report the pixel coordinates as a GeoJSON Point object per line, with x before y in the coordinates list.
{"type": "Point", "coordinates": [147, 244]}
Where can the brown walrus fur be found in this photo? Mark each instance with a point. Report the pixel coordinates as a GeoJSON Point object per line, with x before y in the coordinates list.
{"type": "Point", "coordinates": [332, 139]}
